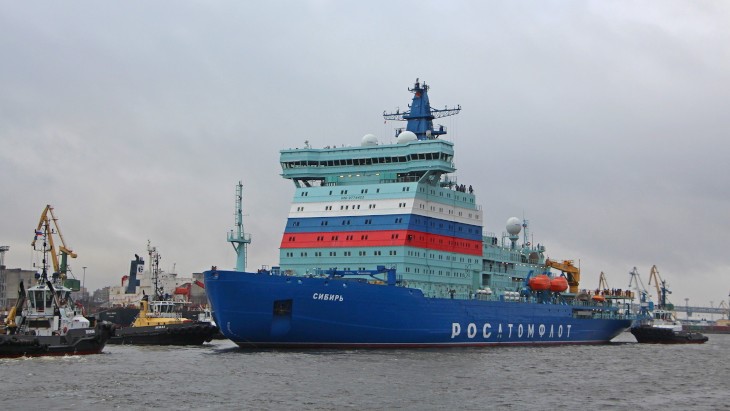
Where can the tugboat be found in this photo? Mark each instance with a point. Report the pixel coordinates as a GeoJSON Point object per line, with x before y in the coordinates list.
{"type": "Point", "coordinates": [660, 325]}
{"type": "Point", "coordinates": [45, 320]}
{"type": "Point", "coordinates": [664, 328]}
{"type": "Point", "coordinates": [160, 322]}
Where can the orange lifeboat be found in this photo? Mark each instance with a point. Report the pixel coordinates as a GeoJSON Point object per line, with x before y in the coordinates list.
{"type": "Point", "coordinates": [183, 290]}
{"type": "Point", "coordinates": [540, 283]}
{"type": "Point", "coordinates": [558, 284]}
{"type": "Point", "coordinates": [599, 298]}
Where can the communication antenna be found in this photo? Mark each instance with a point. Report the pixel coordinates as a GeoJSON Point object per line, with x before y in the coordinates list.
{"type": "Point", "coordinates": [237, 237]}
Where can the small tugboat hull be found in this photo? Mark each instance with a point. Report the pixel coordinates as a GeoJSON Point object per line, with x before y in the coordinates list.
{"type": "Point", "coordinates": [657, 335]}
{"type": "Point", "coordinates": [193, 333]}
{"type": "Point", "coordinates": [76, 342]}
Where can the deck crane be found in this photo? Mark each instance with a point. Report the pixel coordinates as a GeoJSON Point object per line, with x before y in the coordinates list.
{"type": "Point", "coordinates": [573, 272]}
{"type": "Point", "coordinates": [44, 229]}
{"type": "Point", "coordinates": [660, 284]}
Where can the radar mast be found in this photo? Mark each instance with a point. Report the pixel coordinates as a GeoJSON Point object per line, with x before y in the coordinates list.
{"type": "Point", "coordinates": [420, 116]}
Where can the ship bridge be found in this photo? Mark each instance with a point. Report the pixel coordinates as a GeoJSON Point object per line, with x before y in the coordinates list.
{"type": "Point", "coordinates": [402, 162]}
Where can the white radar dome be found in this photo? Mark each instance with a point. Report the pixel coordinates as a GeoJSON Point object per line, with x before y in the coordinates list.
{"type": "Point", "coordinates": [406, 137]}
{"type": "Point", "coordinates": [514, 226]}
{"type": "Point", "coordinates": [369, 140]}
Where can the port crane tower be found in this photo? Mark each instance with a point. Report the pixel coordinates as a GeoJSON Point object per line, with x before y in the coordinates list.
{"type": "Point", "coordinates": [661, 286]}
{"type": "Point", "coordinates": [47, 227]}
{"type": "Point", "coordinates": [602, 282]}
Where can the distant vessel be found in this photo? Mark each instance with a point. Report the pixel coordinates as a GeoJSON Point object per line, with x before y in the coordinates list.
{"type": "Point", "coordinates": [660, 325]}
{"type": "Point", "coordinates": [159, 321]}
{"type": "Point", "coordinates": [45, 320]}
{"type": "Point", "coordinates": [140, 282]}
{"type": "Point", "coordinates": [124, 299]}
{"type": "Point", "coordinates": [717, 327]}
{"type": "Point", "coordinates": [383, 247]}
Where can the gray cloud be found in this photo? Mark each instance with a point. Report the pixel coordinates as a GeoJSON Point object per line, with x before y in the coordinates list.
{"type": "Point", "coordinates": [603, 123]}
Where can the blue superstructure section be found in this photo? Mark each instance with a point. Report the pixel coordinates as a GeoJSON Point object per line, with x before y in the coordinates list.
{"type": "Point", "coordinates": [286, 311]}
{"type": "Point", "coordinates": [385, 222]}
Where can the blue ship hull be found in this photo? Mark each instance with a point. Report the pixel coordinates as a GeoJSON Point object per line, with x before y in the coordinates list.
{"type": "Point", "coordinates": [260, 310]}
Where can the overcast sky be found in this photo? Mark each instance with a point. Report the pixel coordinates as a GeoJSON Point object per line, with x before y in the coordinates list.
{"type": "Point", "coordinates": [605, 124]}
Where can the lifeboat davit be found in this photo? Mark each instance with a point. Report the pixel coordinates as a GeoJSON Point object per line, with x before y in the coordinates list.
{"type": "Point", "coordinates": [599, 298]}
{"type": "Point", "coordinates": [558, 284]}
{"type": "Point", "coordinates": [540, 283]}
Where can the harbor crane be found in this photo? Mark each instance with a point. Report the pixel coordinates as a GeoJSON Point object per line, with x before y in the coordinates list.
{"type": "Point", "coordinates": [660, 284]}
{"type": "Point", "coordinates": [724, 305]}
{"type": "Point", "coordinates": [45, 230]}
{"type": "Point", "coordinates": [602, 282]}
{"type": "Point", "coordinates": [645, 305]}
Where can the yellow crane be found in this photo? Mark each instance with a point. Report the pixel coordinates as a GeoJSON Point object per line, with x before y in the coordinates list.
{"type": "Point", "coordinates": [45, 229]}
{"type": "Point", "coordinates": [658, 282]}
{"type": "Point", "coordinates": [573, 272]}
{"type": "Point", "coordinates": [661, 287]}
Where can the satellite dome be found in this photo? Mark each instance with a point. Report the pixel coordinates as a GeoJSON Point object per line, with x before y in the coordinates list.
{"type": "Point", "coordinates": [514, 226]}
{"type": "Point", "coordinates": [406, 137]}
{"type": "Point", "coordinates": [369, 140]}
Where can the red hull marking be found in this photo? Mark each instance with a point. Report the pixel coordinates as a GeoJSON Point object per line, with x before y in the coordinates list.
{"type": "Point", "coordinates": [395, 238]}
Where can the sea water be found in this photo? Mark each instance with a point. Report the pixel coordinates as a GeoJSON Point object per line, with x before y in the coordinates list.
{"type": "Point", "coordinates": [220, 376]}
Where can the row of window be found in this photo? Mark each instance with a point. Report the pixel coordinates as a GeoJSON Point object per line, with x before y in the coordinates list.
{"type": "Point", "coordinates": [368, 161]}
{"type": "Point", "coordinates": [448, 195]}
{"type": "Point", "coordinates": [422, 206]}
{"type": "Point", "coordinates": [334, 253]}
{"type": "Point", "coordinates": [413, 253]}
{"type": "Point", "coordinates": [455, 243]}
{"type": "Point", "coordinates": [469, 199]}
{"type": "Point", "coordinates": [439, 273]}
{"type": "Point", "coordinates": [398, 220]}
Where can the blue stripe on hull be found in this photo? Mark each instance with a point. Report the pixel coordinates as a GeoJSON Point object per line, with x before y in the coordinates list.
{"type": "Point", "coordinates": [341, 313]}
{"type": "Point", "coordinates": [384, 222]}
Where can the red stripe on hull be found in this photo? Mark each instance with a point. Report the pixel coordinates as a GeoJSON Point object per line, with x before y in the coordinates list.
{"type": "Point", "coordinates": [398, 238]}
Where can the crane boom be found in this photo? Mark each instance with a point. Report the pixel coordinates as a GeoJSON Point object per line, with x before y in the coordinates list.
{"type": "Point", "coordinates": [661, 286]}
{"type": "Point", "coordinates": [654, 275]}
{"type": "Point", "coordinates": [44, 228]}
{"type": "Point", "coordinates": [602, 282]}
{"type": "Point", "coordinates": [567, 266]}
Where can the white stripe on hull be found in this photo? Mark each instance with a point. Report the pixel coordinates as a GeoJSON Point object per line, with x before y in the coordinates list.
{"type": "Point", "coordinates": [386, 207]}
